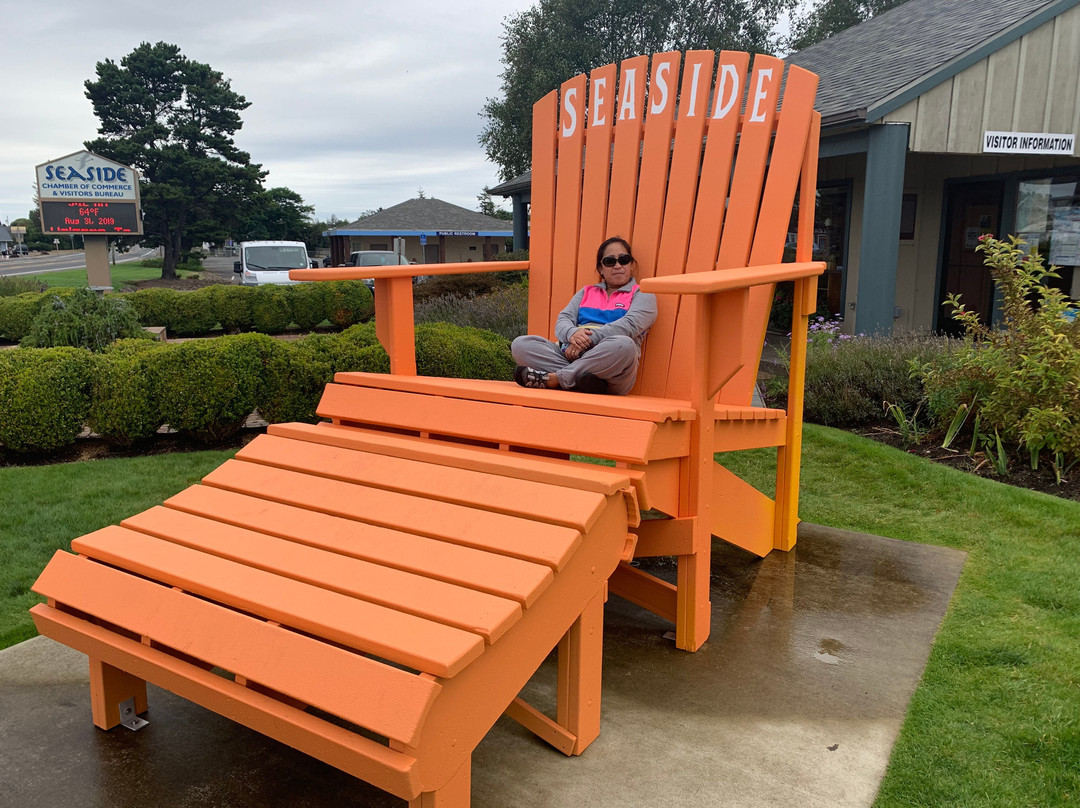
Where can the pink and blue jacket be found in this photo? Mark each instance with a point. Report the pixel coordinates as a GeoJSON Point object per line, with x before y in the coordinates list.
{"type": "Point", "coordinates": [626, 311]}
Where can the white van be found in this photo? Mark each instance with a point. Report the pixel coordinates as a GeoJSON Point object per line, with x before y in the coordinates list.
{"type": "Point", "coordinates": [263, 262]}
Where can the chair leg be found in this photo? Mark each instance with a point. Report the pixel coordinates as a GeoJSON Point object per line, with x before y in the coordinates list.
{"type": "Point", "coordinates": [109, 688]}
{"type": "Point", "coordinates": [457, 793]}
{"type": "Point", "coordinates": [581, 653]}
{"type": "Point", "coordinates": [694, 610]}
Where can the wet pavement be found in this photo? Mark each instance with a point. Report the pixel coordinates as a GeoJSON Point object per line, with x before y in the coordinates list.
{"type": "Point", "coordinates": [795, 700]}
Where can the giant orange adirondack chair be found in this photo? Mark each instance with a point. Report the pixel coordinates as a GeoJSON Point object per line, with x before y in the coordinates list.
{"type": "Point", "coordinates": [406, 567]}
{"type": "Point", "coordinates": [702, 182]}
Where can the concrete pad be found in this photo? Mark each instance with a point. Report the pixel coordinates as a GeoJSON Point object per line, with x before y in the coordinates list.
{"type": "Point", "coordinates": [795, 700]}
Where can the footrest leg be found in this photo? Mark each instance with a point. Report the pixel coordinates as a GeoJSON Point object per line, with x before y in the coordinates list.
{"type": "Point", "coordinates": [455, 794]}
{"type": "Point", "coordinates": [109, 688]}
{"type": "Point", "coordinates": [581, 654]}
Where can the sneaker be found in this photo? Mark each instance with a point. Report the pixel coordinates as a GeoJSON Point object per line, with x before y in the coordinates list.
{"type": "Point", "coordinates": [589, 383]}
{"type": "Point", "coordinates": [530, 377]}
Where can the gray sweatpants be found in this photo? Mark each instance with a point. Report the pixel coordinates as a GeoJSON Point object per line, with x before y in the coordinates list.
{"type": "Point", "coordinates": [614, 359]}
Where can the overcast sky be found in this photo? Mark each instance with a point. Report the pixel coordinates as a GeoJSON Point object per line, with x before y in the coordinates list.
{"type": "Point", "coordinates": [354, 105]}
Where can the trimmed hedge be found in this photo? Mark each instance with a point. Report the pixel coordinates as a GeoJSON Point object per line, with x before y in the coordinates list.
{"type": "Point", "coordinates": [45, 395]}
{"type": "Point", "coordinates": [269, 309]}
{"type": "Point", "coordinates": [208, 388]}
{"type": "Point", "coordinates": [124, 392]}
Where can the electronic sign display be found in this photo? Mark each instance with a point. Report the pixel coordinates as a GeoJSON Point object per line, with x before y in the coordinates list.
{"type": "Point", "coordinates": [90, 217]}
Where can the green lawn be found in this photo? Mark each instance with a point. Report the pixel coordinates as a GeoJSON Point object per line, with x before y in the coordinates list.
{"type": "Point", "coordinates": [996, 719]}
{"type": "Point", "coordinates": [121, 274]}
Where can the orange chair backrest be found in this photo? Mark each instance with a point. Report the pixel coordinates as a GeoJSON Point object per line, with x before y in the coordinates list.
{"type": "Point", "coordinates": [697, 174]}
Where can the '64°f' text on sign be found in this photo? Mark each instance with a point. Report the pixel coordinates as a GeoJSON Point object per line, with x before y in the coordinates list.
{"type": "Point", "coordinates": [86, 193]}
{"type": "Point", "coordinates": [89, 217]}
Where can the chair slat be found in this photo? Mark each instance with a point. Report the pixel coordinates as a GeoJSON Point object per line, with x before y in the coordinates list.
{"type": "Point", "coordinates": [402, 638]}
{"type": "Point", "coordinates": [547, 544]}
{"type": "Point", "coordinates": [325, 676]}
{"type": "Point", "coordinates": [754, 142]}
{"type": "Point", "coordinates": [655, 159]}
{"type": "Point", "coordinates": [572, 123]}
{"type": "Point", "coordinates": [542, 217]}
{"type": "Point", "coordinates": [589, 477]}
{"type": "Point", "coordinates": [627, 151]}
{"type": "Point", "coordinates": [521, 581]}
{"type": "Point", "coordinates": [592, 435]}
{"type": "Point", "coordinates": [516, 497]}
{"type": "Point", "coordinates": [641, 408]}
{"type": "Point", "coordinates": [480, 613]}
{"type": "Point", "coordinates": [594, 193]}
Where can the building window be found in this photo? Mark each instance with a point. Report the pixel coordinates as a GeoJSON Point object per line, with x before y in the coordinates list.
{"type": "Point", "coordinates": [1048, 219]}
{"type": "Point", "coordinates": [375, 246]}
{"type": "Point", "coordinates": [907, 217]}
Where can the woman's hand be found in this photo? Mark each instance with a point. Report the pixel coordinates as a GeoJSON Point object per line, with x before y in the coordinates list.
{"type": "Point", "coordinates": [580, 341]}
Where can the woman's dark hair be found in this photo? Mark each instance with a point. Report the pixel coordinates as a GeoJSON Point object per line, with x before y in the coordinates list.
{"type": "Point", "coordinates": [606, 244]}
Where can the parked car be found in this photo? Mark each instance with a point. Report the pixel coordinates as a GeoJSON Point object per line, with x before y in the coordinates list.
{"type": "Point", "coordinates": [263, 262]}
{"type": "Point", "coordinates": [375, 258]}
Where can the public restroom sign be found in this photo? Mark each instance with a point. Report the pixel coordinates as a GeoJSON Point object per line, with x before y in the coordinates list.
{"type": "Point", "coordinates": [86, 193]}
{"type": "Point", "coordinates": [1027, 143]}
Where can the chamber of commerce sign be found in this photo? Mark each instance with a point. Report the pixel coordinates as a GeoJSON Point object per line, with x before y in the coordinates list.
{"type": "Point", "coordinates": [1027, 143]}
{"type": "Point", "coordinates": [86, 193]}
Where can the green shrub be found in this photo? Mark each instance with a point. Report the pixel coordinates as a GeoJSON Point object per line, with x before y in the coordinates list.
{"type": "Point", "coordinates": [270, 309]}
{"type": "Point", "coordinates": [308, 303]}
{"type": "Point", "coordinates": [82, 320]}
{"type": "Point", "coordinates": [155, 307]}
{"type": "Point", "coordinates": [45, 395]}
{"type": "Point", "coordinates": [11, 285]}
{"type": "Point", "coordinates": [466, 285]}
{"type": "Point", "coordinates": [296, 376]}
{"type": "Point", "coordinates": [443, 349]}
{"type": "Point", "coordinates": [849, 379]}
{"type": "Point", "coordinates": [193, 314]}
{"type": "Point", "coordinates": [1021, 380]}
{"type": "Point", "coordinates": [513, 255]}
{"type": "Point", "coordinates": [232, 306]}
{"type": "Point", "coordinates": [17, 315]}
{"type": "Point", "coordinates": [349, 302]}
{"type": "Point", "coordinates": [124, 401]}
{"type": "Point", "coordinates": [208, 388]}
{"type": "Point", "coordinates": [504, 311]}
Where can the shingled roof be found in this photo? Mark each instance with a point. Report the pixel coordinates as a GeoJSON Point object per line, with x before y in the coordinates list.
{"type": "Point", "coordinates": [426, 216]}
{"type": "Point", "coordinates": [866, 70]}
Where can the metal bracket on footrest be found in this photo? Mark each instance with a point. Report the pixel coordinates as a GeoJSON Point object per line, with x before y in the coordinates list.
{"type": "Point", "coordinates": [129, 718]}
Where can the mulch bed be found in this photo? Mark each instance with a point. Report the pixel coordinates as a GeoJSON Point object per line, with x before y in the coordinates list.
{"type": "Point", "coordinates": [95, 448]}
{"type": "Point", "coordinates": [1020, 473]}
{"type": "Point", "coordinates": [180, 284]}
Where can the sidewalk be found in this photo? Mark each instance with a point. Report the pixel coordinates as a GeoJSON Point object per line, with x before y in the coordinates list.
{"type": "Point", "coordinates": [795, 700]}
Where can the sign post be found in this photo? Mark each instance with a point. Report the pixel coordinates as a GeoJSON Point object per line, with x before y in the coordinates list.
{"type": "Point", "coordinates": [86, 194]}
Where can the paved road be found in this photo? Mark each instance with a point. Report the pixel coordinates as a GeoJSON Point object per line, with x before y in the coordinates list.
{"type": "Point", "coordinates": [60, 261]}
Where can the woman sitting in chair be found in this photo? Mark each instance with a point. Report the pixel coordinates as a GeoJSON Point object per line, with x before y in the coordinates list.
{"type": "Point", "coordinates": [600, 333]}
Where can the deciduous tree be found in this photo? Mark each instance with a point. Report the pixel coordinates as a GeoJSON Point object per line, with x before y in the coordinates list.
{"type": "Point", "coordinates": [556, 39]}
{"type": "Point", "coordinates": [174, 120]}
{"type": "Point", "coordinates": [825, 18]}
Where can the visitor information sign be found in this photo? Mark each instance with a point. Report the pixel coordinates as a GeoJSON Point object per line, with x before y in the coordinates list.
{"type": "Point", "coordinates": [85, 193]}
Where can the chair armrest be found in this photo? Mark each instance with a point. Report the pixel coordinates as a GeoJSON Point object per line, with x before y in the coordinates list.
{"type": "Point", "coordinates": [704, 283]}
{"type": "Point", "coordinates": [403, 270]}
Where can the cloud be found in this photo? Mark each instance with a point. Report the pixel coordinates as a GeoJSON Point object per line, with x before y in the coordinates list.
{"type": "Point", "coordinates": [353, 106]}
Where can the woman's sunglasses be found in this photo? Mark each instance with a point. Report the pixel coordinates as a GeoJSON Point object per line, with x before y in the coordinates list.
{"type": "Point", "coordinates": [611, 260]}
